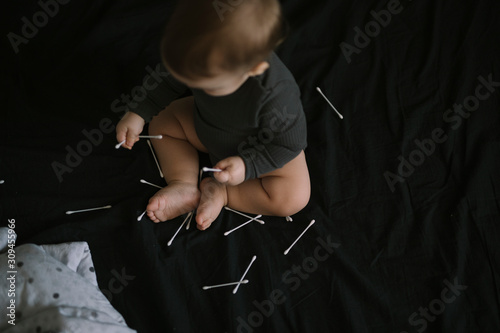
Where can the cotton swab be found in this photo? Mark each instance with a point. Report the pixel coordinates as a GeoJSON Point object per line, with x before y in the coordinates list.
{"type": "Point", "coordinates": [2, 181]}
{"type": "Point", "coordinates": [224, 284]}
{"type": "Point", "coordinates": [238, 285]}
{"type": "Point", "coordinates": [189, 221]}
{"type": "Point", "coordinates": [141, 137]}
{"type": "Point", "coordinates": [140, 217]}
{"type": "Point", "coordinates": [172, 239]}
{"type": "Point", "coordinates": [120, 144]}
{"type": "Point", "coordinates": [205, 169]}
{"type": "Point", "coordinates": [150, 136]}
{"type": "Point", "coordinates": [157, 164]}
{"type": "Point", "coordinates": [245, 215]}
{"type": "Point", "coordinates": [146, 182]}
{"type": "Point", "coordinates": [303, 232]}
{"type": "Point", "coordinates": [241, 225]}
{"type": "Point", "coordinates": [333, 107]}
{"type": "Point", "coordinates": [86, 210]}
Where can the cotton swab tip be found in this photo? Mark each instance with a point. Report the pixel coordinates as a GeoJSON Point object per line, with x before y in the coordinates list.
{"type": "Point", "coordinates": [2, 181]}
{"type": "Point", "coordinates": [205, 169]}
{"type": "Point", "coordinates": [140, 217]}
{"type": "Point", "coordinates": [148, 183]}
{"type": "Point", "coordinates": [120, 144]}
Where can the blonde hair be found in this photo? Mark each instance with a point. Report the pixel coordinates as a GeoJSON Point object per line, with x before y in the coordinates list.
{"type": "Point", "coordinates": [202, 39]}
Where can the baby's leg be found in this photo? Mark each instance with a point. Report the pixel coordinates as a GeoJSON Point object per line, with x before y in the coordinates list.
{"type": "Point", "coordinates": [178, 157]}
{"type": "Point", "coordinates": [282, 192]}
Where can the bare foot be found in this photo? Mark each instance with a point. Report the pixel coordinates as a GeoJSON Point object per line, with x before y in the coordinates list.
{"type": "Point", "coordinates": [172, 201]}
{"type": "Point", "coordinates": [213, 198]}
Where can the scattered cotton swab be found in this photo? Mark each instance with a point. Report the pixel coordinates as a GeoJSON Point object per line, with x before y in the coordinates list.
{"type": "Point", "coordinates": [120, 144]}
{"type": "Point", "coordinates": [224, 284]}
{"type": "Point", "coordinates": [205, 169]}
{"type": "Point", "coordinates": [154, 156]}
{"type": "Point", "coordinates": [150, 136]}
{"type": "Point", "coordinates": [241, 225]}
{"type": "Point", "coordinates": [333, 107]}
{"type": "Point", "coordinates": [172, 239]}
{"type": "Point", "coordinates": [303, 232]}
{"type": "Point", "coordinates": [248, 217]}
{"type": "Point", "coordinates": [86, 210]}
{"type": "Point", "coordinates": [241, 280]}
{"type": "Point", "coordinates": [289, 219]}
{"type": "Point", "coordinates": [140, 216]}
{"type": "Point", "coordinates": [189, 221]}
{"type": "Point", "coordinates": [146, 182]}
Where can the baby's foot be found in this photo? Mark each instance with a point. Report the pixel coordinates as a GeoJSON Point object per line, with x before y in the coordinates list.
{"type": "Point", "coordinates": [174, 200]}
{"type": "Point", "coordinates": [213, 198]}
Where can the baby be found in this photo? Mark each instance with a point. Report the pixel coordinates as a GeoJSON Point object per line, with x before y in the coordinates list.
{"type": "Point", "coordinates": [245, 112]}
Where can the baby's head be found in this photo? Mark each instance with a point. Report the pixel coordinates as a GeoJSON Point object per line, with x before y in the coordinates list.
{"type": "Point", "coordinates": [216, 45]}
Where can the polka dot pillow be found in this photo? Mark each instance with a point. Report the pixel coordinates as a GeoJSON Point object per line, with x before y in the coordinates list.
{"type": "Point", "coordinates": [53, 288]}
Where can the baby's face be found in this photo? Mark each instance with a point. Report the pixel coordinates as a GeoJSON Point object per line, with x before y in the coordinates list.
{"type": "Point", "coordinates": [222, 84]}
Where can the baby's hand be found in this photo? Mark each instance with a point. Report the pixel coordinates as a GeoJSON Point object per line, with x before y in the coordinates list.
{"type": "Point", "coordinates": [233, 171]}
{"type": "Point", "coordinates": [129, 128]}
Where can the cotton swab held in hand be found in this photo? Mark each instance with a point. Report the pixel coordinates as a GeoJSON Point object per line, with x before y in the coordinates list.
{"type": "Point", "coordinates": [303, 232]}
{"type": "Point", "coordinates": [248, 217]}
{"type": "Point", "coordinates": [238, 285]}
{"type": "Point", "coordinates": [141, 137]}
{"type": "Point", "coordinates": [172, 239]}
{"type": "Point", "coordinates": [333, 107]}
{"type": "Point", "coordinates": [86, 210]}
{"type": "Point", "coordinates": [154, 156]}
{"type": "Point", "coordinates": [205, 169]}
{"type": "Point", "coordinates": [150, 136]}
{"type": "Point", "coordinates": [224, 284]}
{"type": "Point", "coordinates": [241, 225]}
{"type": "Point", "coordinates": [140, 216]}
{"type": "Point", "coordinates": [120, 144]}
{"type": "Point", "coordinates": [146, 182]}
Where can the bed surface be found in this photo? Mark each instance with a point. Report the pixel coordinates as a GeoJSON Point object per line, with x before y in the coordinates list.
{"type": "Point", "coordinates": [405, 188]}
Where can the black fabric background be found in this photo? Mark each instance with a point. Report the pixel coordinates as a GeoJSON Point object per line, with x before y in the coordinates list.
{"type": "Point", "coordinates": [395, 250]}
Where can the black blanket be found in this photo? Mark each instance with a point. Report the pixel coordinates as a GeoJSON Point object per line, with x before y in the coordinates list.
{"type": "Point", "coordinates": [405, 188]}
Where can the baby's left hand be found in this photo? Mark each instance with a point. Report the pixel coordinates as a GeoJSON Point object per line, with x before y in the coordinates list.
{"type": "Point", "coordinates": [233, 171]}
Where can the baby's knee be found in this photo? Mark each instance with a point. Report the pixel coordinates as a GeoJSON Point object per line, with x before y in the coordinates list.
{"type": "Point", "coordinates": [292, 203]}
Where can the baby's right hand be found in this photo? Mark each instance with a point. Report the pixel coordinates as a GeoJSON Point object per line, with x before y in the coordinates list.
{"type": "Point", "coordinates": [129, 128]}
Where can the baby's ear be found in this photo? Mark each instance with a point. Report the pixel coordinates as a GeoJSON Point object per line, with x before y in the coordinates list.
{"type": "Point", "coordinates": [258, 69]}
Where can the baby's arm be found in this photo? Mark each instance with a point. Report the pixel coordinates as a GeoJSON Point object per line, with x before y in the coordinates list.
{"type": "Point", "coordinates": [129, 128]}
{"type": "Point", "coordinates": [143, 108]}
